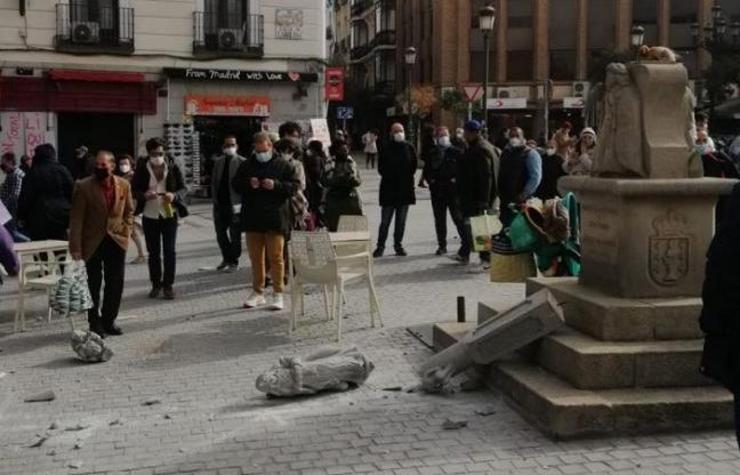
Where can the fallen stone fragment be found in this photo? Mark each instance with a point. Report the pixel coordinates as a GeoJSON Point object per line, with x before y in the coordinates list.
{"type": "Point", "coordinates": [54, 426]}
{"type": "Point", "coordinates": [449, 424]}
{"type": "Point", "coordinates": [486, 412]}
{"type": "Point", "coordinates": [39, 442]}
{"type": "Point", "coordinates": [74, 465]}
{"type": "Point", "coordinates": [45, 396]}
{"type": "Point", "coordinates": [76, 428]}
{"type": "Point", "coordinates": [393, 389]}
{"type": "Point", "coordinates": [89, 347]}
{"type": "Point", "coordinates": [151, 402]}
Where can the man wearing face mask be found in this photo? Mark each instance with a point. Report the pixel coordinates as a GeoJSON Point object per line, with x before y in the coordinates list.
{"type": "Point", "coordinates": [440, 171]}
{"type": "Point", "coordinates": [100, 224]}
{"type": "Point", "coordinates": [552, 171]}
{"type": "Point", "coordinates": [227, 205]}
{"type": "Point", "coordinates": [396, 166]}
{"type": "Point", "coordinates": [519, 176]}
{"type": "Point", "coordinates": [476, 185]}
{"type": "Point", "coordinates": [266, 183]}
{"type": "Point", "coordinates": [83, 163]}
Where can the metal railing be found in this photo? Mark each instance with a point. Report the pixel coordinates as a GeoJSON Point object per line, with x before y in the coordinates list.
{"type": "Point", "coordinates": [218, 36]}
{"type": "Point", "coordinates": [83, 26]}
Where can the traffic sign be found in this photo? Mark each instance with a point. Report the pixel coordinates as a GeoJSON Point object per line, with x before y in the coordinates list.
{"type": "Point", "coordinates": [507, 103]}
{"type": "Point", "coordinates": [345, 113]}
{"type": "Point", "coordinates": [473, 92]}
{"type": "Point", "coordinates": [574, 103]}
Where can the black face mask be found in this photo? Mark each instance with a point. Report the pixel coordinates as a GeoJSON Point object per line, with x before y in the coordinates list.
{"type": "Point", "coordinates": [102, 173]}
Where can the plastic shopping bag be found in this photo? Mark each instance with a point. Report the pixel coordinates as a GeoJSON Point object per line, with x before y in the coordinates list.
{"type": "Point", "coordinates": [483, 228]}
{"type": "Point", "coordinates": [71, 295]}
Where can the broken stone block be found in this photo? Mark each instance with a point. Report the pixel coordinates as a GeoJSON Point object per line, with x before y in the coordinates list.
{"type": "Point", "coordinates": [45, 396]}
{"type": "Point", "coordinates": [89, 347]}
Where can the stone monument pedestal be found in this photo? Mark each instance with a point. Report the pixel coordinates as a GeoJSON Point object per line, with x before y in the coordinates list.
{"type": "Point", "coordinates": [628, 359]}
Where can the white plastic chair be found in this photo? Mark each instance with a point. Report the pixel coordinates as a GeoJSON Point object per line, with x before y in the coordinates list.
{"type": "Point", "coordinates": [313, 261]}
{"type": "Point", "coordinates": [352, 223]}
{"type": "Point", "coordinates": [38, 274]}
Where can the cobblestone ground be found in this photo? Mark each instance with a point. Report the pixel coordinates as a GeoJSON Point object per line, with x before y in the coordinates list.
{"type": "Point", "coordinates": [198, 358]}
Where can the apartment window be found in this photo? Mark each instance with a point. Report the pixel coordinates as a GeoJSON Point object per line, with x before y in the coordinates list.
{"type": "Point", "coordinates": [519, 58]}
{"type": "Point", "coordinates": [645, 14]}
{"type": "Point", "coordinates": [683, 14]}
{"type": "Point", "coordinates": [227, 13]}
{"type": "Point", "coordinates": [563, 34]}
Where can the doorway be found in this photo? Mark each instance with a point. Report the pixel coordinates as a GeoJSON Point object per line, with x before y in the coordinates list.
{"type": "Point", "coordinates": [114, 132]}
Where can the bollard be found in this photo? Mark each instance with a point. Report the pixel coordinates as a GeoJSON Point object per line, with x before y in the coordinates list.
{"type": "Point", "coordinates": [460, 309]}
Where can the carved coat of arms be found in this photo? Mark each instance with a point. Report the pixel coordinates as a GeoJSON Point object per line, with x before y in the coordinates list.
{"type": "Point", "coordinates": [670, 250]}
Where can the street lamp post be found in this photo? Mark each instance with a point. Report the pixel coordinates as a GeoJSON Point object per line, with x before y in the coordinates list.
{"type": "Point", "coordinates": [410, 57]}
{"type": "Point", "coordinates": [487, 19]}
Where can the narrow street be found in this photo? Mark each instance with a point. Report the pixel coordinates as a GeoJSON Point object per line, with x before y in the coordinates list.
{"type": "Point", "coordinates": [178, 396]}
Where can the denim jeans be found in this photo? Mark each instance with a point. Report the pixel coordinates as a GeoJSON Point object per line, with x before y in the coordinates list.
{"type": "Point", "coordinates": [160, 236]}
{"type": "Point", "coordinates": [386, 216]}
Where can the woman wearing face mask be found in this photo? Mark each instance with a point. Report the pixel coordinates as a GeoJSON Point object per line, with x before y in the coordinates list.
{"type": "Point", "coordinates": [124, 169]}
{"type": "Point", "coordinates": [552, 171]}
{"type": "Point", "coordinates": [580, 162]}
{"type": "Point", "coordinates": [159, 190]}
{"type": "Point", "coordinates": [341, 180]}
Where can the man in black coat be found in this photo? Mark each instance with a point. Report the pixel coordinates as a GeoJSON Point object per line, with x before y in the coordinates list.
{"type": "Point", "coordinates": [720, 316]}
{"type": "Point", "coordinates": [45, 200]}
{"type": "Point", "coordinates": [440, 172]}
{"type": "Point", "coordinates": [476, 184]}
{"type": "Point", "coordinates": [396, 166]}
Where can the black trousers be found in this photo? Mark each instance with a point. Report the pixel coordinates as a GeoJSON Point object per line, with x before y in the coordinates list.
{"type": "Point", "coordinates": [228, 233]}
{"type": "Point", "coordinates": [441, 203]}
{"type": "Point", "coordinates": [370, 160]}
{"type": "Point", "coordinates": [386, 216]}
{"type": "Point", "coordinates": [160, 236]}
{"type": "Point", "coordinates": [107, 263]}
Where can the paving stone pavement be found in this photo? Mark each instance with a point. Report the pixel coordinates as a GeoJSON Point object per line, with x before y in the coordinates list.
{"type": "Point", "coordinates": [195, 361]}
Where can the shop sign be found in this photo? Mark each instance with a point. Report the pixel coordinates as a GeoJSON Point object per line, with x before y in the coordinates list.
{"type": "Point", "coordinates": [320, 131]}
{"type": "Point", "coordinates": [237, 75]}
{"type": "Point", "coordinates": [253, 106]}
{"type": "Point", "coordinates": [574, 103]}
{"type": "Point", "coordinates": [334, 84]}
{"type": "Point", "coordinates": [345, 113]}
{"type": "Point", "coordinates": [507, 103]}
{"type": "Point", "coordinates": [23, 131]}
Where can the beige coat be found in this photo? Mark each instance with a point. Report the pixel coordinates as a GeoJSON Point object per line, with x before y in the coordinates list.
{"type": "Point", "coordinates": [90, 219]}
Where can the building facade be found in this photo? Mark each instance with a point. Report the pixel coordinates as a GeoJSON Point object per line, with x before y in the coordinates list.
{"type": "Point", "coordinates": [110, 74]}
{"type": "Point", "coordinates": [539, 49]}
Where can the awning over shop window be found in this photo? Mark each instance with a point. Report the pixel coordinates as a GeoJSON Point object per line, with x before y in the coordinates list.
{"type": "Point", "coordinates": [95, 76]}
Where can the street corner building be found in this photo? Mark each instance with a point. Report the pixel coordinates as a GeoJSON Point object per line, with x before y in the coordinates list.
{"type": "Point", "coordinates": [109, 74]}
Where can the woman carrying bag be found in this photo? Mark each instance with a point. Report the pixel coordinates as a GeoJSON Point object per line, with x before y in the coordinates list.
{"type": "Point", "coordinates": [159, 189]}
{"type": "Point", "coordinates": [341, 180]}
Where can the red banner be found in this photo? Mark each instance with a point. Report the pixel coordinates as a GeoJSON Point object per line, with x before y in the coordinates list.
{"type": "Point", "coordinates": [255, 106]}
{"type": "Point", "coordinates": [334, 84]}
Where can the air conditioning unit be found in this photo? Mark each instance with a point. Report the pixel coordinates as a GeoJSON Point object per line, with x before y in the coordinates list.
{"type": "Point", "coordinates": [581, 88]}
{"type": "Point", "coordinates": [230, 38]}
{"type": "Point", "coordinates": [85, 32]}
{"type": "Point", "coordinates": [506, 92]}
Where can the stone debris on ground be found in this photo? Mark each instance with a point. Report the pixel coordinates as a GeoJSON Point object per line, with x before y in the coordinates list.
{"type": "Point", "coordinates": [151, 402]}
{"type": "Point", "coordinates": [449, 424]}
{"type": "Point", "coordinates": [45, 396]}
{"type": "Point", "coordinates": [90, 347]}
{"type": "Point", "coordinates": [76, 428]}
{"type": "Point", "coordinates": [39, 441]}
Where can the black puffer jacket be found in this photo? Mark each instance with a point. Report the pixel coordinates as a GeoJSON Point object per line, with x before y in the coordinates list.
{"type": "Point", "coordinates": [45, 200]}
{"type": "Point", "coordinates": [266, 210]}
{"type": "Point", "coordinates": [397, 166]}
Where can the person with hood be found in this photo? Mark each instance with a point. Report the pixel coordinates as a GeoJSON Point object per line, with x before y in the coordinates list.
{"type": "Point", "coordinates": [580, 161]}
{"type": "Point", "coordinates": [266, 183]}
{"type": "Point", "coordinates": [159, 188]}
{"type": "Point", "coordinates": [440, 172]}
{"type": "Point", "coordinates": [520, 174]}
{"type": "Point", "coordinates": [552, 171]}
{"type": "Point", "coordinates": [341, 179]}
{"type": "Point", "coordinates": [720, 315]}
{"type": "Point", "coordinates": [397, 164]}
{"type": "Point", "coordinates": [226, 205]}
{"type": "Point", "coordinates": [44, 203]}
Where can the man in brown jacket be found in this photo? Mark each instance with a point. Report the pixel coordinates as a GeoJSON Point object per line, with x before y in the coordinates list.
{"type": "Point", "coordinates": [99, 228]}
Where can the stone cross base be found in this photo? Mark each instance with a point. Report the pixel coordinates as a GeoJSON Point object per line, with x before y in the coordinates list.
{"type": "Point", "coordinates": [646, 238]}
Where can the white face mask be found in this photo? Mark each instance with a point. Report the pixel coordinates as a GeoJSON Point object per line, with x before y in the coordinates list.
{"type": "Point", "coordinates": [230, 151]}
{"type": "Point", "coordinates": [263, 157]}
{"type": "Point", "coordinates": [125, 168]}
{"type": "Point", "coordinates": [157, 160]}
{"type": "Point", "coordinates": [551, 151]}
{"type": "Point", "coordinates": [444, 141]}
{"type": "Point", "coordinates": [399, 136]}
{"type": "Point", "coordinates": [516, 142]}
{"type": "Point", "coordinates": [287, 156]}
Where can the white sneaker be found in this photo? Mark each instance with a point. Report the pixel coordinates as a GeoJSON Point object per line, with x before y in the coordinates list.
{"type": "Point", "coordinates": [277, 302]}
{"type": "Point", "coordinates": [255, 300]}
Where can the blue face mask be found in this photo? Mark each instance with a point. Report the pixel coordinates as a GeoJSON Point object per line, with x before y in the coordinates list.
{"type": "Point", "coordinates": [702, 149]}
{"type": "Point", "coordinates": [263, 157]}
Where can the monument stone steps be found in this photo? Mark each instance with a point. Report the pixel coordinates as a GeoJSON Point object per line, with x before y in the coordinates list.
{"type": "Point", "coordinates": [587, 363]}
{"type": "Point", "coordinates": [562, 411]}
{"type": "Point", "coordinates": [610, 318]}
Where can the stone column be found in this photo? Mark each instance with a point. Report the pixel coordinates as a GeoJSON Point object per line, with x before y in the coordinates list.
{"type": "Point", "coordinates": [623, 24]}
{"type": "Point", "coordinates": [704, 16]}
{"type": "Point", "coordinates": [582, 40]}
{"type": "Point", "coordinates": [664, 22]}
{"type": "Point", "coordinates": [541, 44]}
{"type": "Point", "coordinates": [501, 46]}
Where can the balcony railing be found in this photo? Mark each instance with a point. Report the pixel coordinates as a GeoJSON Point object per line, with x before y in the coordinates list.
{"type": "Point", "coordinates": [382, 38]}
{"type": "Point", "coordinates": [83, 27]}
{"type": "Point", "coordinates": [214, 37]}
{"type": "Point", "coordinates": [361, 5]}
